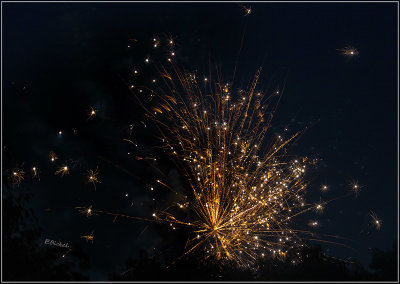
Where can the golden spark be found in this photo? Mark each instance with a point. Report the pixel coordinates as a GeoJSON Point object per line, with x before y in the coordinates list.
{"type": "Point", "coordinates": [63, 170]}
{"type": "Point", "coordinates": [17, 176]}
{"type": "Point", "coordinates": [348, 51]}
{"type": "Point", "coordinates": [92, 177]}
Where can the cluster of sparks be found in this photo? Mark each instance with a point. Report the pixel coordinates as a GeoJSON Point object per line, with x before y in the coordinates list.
{"type": "Point", "coordinates": [17, 176]}
{"type": "Point", "coordinates": [375, 221]}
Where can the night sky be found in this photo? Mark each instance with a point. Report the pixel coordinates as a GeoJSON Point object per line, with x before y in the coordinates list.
{"type": "Point", "coordinates": [60, 58]}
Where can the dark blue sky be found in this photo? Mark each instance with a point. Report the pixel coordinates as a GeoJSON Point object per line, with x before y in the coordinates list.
{"type": "Point", "coordinates": [58, 58]}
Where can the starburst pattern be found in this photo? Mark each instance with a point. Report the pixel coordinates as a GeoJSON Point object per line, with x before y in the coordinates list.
{"type": "Point", "coordinates": [62, 171]}
{"type": "Point", "coordinates": [243, 188]}
{"type": "Point", "coordinates": [16, 176]}
{"type": "Point", "coordinates": [348, 51]}
{"type": "Point", "coordinates": [92, 177]}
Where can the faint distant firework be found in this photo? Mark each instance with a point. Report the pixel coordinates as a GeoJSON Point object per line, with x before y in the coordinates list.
{"type": "Point", "coordinates": [355, 187]}
{"type": "Point", "coordinates": [244, 190]}
{"type": "Point", "coordinates": [53, 156]}
{"type": "Point", "coordinates": [348, 51]}
{"type": "Point", "coordinates": [92, 177]}
{"type": "Point", "coordinates": [35, 173]}
{"type": "Point", "coordinates": [62, 171]}
{"type": "Point", "coordinates": [16, 176]}
{"type": "Point", "coordinates": [375, 221]}
{"type": "Point", "coordinates": [89, 237]}
{"type": "Point", "coordinates": [91, 113]}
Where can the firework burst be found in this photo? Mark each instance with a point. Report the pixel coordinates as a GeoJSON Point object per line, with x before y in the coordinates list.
{"type": "Point", "coordinates": [355, 187]}
{"type": "Point", "coordinates": [62, 171]}
{"type": "Point", "coordinates": [35, 173]}
{"type": "Point", "coordinates": [53, 157]}
{"type": "Point", "coordinates": [375, 221]}
{"type": "Point", "coordinates": [91, 113]}
{"type": "Point", "coordinates": [92, 177]}
{"type": "Point", "coordinates": [243, 190]}
{"type": "Point", "coordinates": [89, 237]}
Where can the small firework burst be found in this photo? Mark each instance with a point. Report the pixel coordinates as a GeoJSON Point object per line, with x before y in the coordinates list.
{"type": "Point", "coordinates": [313, 223]}
{"type": "Point", "coordinates": [156, 42]}
{"type": "Point", "coordinates": [17, 176]}
{"type": "Point", "coordinates": [247, 10]}
{"type": "Point", "coordinates": [319, 207]}
{"type": "Point", "coordinates": [92, 113]}
{"type": "Point", "coordinates": [324, 188]}
{"type": "Point", "coordinates": [375, 221]}
{"type": "Point", "coordinates": [355, 187]}
{"type": "Point", "coordinates": [348, 51]}
{"type": "Point", "coordinates": [62, 171]}
{"type": "Point", "coordinates": [53, 157]}
{"type": "Point", "coordinates": [35, 173]}
{"type": "Point", "coordinates": [88, 211]}
{"type": "Point", "coordinates": [241, 195]}
{"type": "Point", "coordinates": [92, 177]}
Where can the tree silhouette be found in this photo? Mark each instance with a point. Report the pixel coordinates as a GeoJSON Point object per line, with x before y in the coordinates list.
{"type": "Point", "coordinates": [24, 258]}
{"type": "Point", "coordinates": [308, 263]}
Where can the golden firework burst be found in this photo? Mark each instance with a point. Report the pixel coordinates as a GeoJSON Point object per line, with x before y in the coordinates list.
{"type": "Point", "coordinates": [243, 188]}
